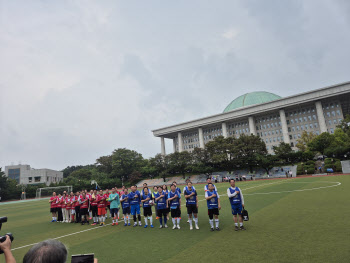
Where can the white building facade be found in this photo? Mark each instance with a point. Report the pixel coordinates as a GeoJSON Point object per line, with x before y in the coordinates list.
{"type": "Point", "coordinates": [24, 174]}
{"type": "Point", "coordinates": [272, 118]}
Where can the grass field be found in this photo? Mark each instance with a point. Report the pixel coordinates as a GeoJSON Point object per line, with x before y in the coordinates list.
{"type": "Point", "coordinates": [291, 220]}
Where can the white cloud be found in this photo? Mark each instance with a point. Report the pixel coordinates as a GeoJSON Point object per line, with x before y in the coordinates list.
{"type": "Point", "coordinates": [230, 34]}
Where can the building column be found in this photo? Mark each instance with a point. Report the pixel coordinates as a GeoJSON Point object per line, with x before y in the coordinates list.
{"type": "Point", "coordinates": [284, 127]}
{"type": "Point", "coordinates": [174, 144]}
{"type": "Point", "coordinates": [162, 145]}
{"type": "Point", "coordinates": [179, 136]}
{"type": "Point", "coordinates": [252, 128]}
{"type": "Point", "coordinates": [320, 116]}
{"type": "Point", "coordinates": [201, 138]}
{"type": "Point", "coordinates": [224, 130]}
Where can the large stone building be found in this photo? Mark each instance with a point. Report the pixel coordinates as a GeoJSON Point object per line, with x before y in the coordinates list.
{"type": "Point", "coordinates": [271, 117]}
{"type": "Point", "coordinates": [23, 174]}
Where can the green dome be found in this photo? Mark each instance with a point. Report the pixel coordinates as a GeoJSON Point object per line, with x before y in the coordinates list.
{"type": "Point", "coordinates": [252, 98]}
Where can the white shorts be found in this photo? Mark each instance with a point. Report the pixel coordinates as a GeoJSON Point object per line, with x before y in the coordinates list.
{"type": "Point", "coordinates": [72, 211]}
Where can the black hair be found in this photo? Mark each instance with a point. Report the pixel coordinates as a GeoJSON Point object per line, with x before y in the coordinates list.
{"type": "Point", "coordinates": [232, 180]}
{"type": "Point", "coordinates": [210, 183]}
{"type": "Point", "coordinates": [172, 185]}
{"type": "Point", "coordinates": [146, 188]}
{"type": "Point", "coordinates": [48, 251]}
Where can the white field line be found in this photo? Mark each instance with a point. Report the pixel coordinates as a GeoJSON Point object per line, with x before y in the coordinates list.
{"type": "Point", "coordinates": [78, 232]}
{"type": "Point", "coordinates": [299, 190]}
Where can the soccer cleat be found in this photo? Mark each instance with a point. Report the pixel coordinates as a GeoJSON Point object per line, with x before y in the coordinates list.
{"type": "Point", "coordinates": [217, 229]}
{"type": "Point", "coordinates": [166, 226]}
{"type": "Point", "coordinates": [82, 223]}
{"type": "Point", "coordinates": [129, 224]}
{"type": "Point", "coordinates": [135, 225]}
{"type": "Point", "coordinates": [188, 221]}
{"type": "Point", "coordinates": [174, 227]}
{"type": "Point", "coordinates": [125, 224]}
{"type": "Point", "coordinates": [157, 217]}
{"type": "Point", "coordinates": [152, 226]}
{"type": "Point", "coordinates": [112, 224]}
{"type": "Point", "coordinates": [197, 227]}
{"type": "Point", "coordinates": [242, 228]}
{"type": "Point", "coordinates": [145, 226]}
{"type": "Point", "coordinates": [140, 224]}
{"type": "Point", "coordinates": [90, 218]}
{"type": "Point", "coordinates": [116, 224]}
{"type": "Point", "coordinates": [236, 228]}
{"type": "Point", "coordinates": [101, 224]}
{"type": "Point", "coordinates": [94, 224]}
{"type": "Point", "coordinates": [191, 227]}
{"type": "Point", "coordinates": [53, 220]}
{"type": "Point", "coordinates": [178, 226]}
{"type": "Point", "coordinates": [160, 226]}
{"type": "Point", "coordinates": [211, 229]}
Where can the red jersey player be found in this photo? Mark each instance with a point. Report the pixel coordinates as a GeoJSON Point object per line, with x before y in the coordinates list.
{"type": "Point", "coordinates": [53, 210]}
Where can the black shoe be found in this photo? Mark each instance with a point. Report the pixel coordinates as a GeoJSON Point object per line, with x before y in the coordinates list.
{"type": "Point", "coordinates": [217, 229]}
{"type": "Point", "coordinates": [242, 228]}
{"type": "Point", "coordinates": [236, 228]}
{"type": "Point", "coordinates": [211, 229]}
{"type": "Point", "coordinates": [82, 223]}
{"type": "Point", "coordinates": [87, 222]}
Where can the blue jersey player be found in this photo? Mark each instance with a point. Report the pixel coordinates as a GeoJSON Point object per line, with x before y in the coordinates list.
{"type": "Point", "coordinates": [191, 203]}
{"type": "Point", "coordinates": [126, 207]}
{"type": "Point", "coordinates": [213, 203]}
{"type": "Point", "coordinates": [161, 200]}
{"type": "Point", "coordinates": [147, 208]}
{"type": "Point", "coordinates": [174, 200]}
{"type": "Point", "coordinates": [237, 203]}
{"type": "Point", "coordinates": [134, 198]}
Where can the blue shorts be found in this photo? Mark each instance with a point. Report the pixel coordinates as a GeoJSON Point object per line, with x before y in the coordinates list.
{"type": "Point", "coordinates": [237, 209]}
{"type": "Point", "coordinates": [114, 211]}
{"type": "Point", "coordinates": [135, 209]}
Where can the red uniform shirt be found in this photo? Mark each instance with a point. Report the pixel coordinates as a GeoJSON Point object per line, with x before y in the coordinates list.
{"type": "Point", "coordinates": [75, 201]}
{"type": "Point", "coordinates": [84, 203]}
{"type": "Point", "coordinates": [58, 202]}
{"type": "Point", "coordinates": [106, 196]}
{"type": "Point", "coordinates": [93, 201]}
{"type": "Point", "coordinates": [53, 203]}
{"type": "Point", "coordinates": [63, 202]}
{"type": "Point", "coordinates": [68, 204]}
{"type": "Point", "coordinates": [101, 203]}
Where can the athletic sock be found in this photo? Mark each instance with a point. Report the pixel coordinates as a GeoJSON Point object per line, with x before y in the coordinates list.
{"type": "Point", "coordinates": [104, 219]}
{"type": "Point", "coordinates": [161, 221]}
{"type": "Point", "coordinates": [190, 221]}
{"type": "Point", "coordinates": [146, 220]}
{"type": "Point", "coordinates": [128, 216]}
{"type": "Point", "coordinates": [134, 217]}
{"type": "Point", "coordinates": [112, 221]}
{"type": "Point", "coordinates": [196, 220]}
{"type": "Point", "coordinates": [139, 218]}
{"type": "Point", "coordinates": [116, 220]}
{"type": "Point", "coordinates": [174, 222]}
{"type": "Point", "coordinates": [217, 222]}
{"type": "Point", "coordinates": [124, 218]}
{"type": "Point", "coordinates": [165, 220]}
{"type": "Point", "coordinates": [211, 223]}
{"type": "Point", "coordinates": [236, 224]}
{"type": "Point", "coordinates": [150, 220]}
{"type": "Point", "coordinates": [241, 224]}
{"type": "Point", "coordinates": [178, 221]}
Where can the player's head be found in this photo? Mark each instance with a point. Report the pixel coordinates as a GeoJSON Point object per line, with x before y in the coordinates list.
{"type": "Point", "coordinates": [232, 182]}
{"type": "Point", "coordinates": [101, 192]}
{"type": "Point", "coordinates": [107, 191]}
{"type": "Point", "coordinates": [145, 190]}
{"type": "Point", "coordinates": [173, 187]}
{"type": "Point", "coordinates": [125, 190]}
{"type": "Point", "coordinates": [59, 195]}
{"type": "Point", "coordinates": [165, 188]}
{"type": "Point", "coordinates": [84, 194]}
{"type": "Point", "coordinates": [85, 191]}
{"type": "Point", "coordinates": [174, 183]}
{"type": "Point", "coordinates": [133, 189]}
{"type": "Point", "coordinates": [189, 184]}
{"type": "Point", "coordinates": [208, 180]}
{"type": "Point", "coordinates": [211, 186]}
{"type": "Point", "coordinates": [64, 194]}
{"type": "Point", "coordinates": [71, 194]}
{"type": "Point", "coordinates": [155, 188]}
{"type": "Point", "coordinates": [160, 189]}
{"type": "Point", "coordinates": [95, 191]}
{"type": "Point", "coordinates": [91, 191]}
{"type": "Point", "coordinates": [144, 184]}
{"type": "Point", "coordinates": [54, 194]}
{"type": "Point", "coordinates": [123, 187]}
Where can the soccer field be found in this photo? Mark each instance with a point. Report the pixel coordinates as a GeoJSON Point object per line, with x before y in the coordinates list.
{"type": "Point", "coordinates": [291, 220]}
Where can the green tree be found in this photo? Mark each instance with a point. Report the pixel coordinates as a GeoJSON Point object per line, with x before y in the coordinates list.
{"type": "Point", "coordinates": [283, 152]}
{"type": "Point", "coordinates": [321, 142]}
{"type": "Point", "coordinates": [303, 141]}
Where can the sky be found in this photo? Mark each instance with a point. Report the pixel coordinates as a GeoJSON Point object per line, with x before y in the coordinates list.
{"type": "Point", "coordinates": [79, 79]}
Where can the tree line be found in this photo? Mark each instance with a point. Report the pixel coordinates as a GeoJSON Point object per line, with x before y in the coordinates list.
{"type": "Point", "coordinates": [125, 166]}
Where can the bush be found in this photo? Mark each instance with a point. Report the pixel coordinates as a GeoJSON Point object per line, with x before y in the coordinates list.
{"type": "Point", "coordinates": [338, 167]}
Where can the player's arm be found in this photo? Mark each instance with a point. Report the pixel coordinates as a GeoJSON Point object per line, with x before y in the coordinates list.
{"type": "Point", "coordinates": [208, 197]}
{"type": "Point", "coordinates": [197, 200]}
{"type": "Point", "coordinates": [219, 206]}
{"type": "Point", "coordinates": [229, 193]}
{"type": "Point", "coordinates": [240, 192]}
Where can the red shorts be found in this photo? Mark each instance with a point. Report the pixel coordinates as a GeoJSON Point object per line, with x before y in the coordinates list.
{"type": "Point", "coordinates": [101, 211]}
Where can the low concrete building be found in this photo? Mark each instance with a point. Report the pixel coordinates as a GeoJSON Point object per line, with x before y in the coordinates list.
{"type": "Point", "coordinates": [273, 118]}
{"type": "Point", "coordinates": [24, 174]}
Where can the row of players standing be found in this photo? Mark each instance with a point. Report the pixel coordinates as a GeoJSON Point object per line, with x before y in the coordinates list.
{"type": "Point", "coordinates": [165, 202]}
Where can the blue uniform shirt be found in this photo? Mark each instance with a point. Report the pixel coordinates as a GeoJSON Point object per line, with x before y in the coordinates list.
{"type": "Point", "coordinates": [161, 203]}
{"type": "Point", "coordinates": [192, 200]}
{"type": "Point", "coordinates": [213, 202]}
{"type": "Point", "coordinates": [144, 197]}
{"type": "Point", "coordinates": [236, 200]}
{"type": "Point", "coordinates": [175, 203]}
{"type": "Point", "coordinates": [134, 200]}
{"type": "Point", "coordinates": [126, 203]}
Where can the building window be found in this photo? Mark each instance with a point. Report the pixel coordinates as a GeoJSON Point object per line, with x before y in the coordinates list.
{"type": "Point", "coordinates": [30, 179]}
{"type": "Point", "coordinates": [37, 179]}
{"type": "Point", "coordinates": [15, 174]}
{"type": "Point", "coordinates": [332, 131]}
